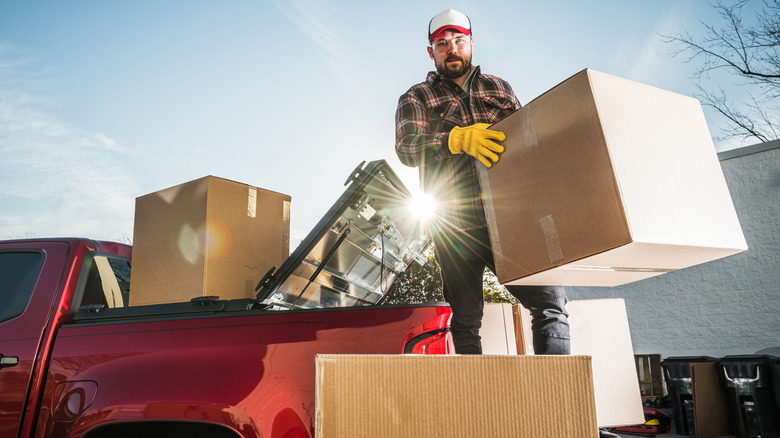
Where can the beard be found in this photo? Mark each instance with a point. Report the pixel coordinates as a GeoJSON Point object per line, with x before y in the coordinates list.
{"type": "Point", "coordinates": [453, 71]}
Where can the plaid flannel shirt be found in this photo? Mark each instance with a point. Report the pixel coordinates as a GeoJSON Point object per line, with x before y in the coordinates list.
{"type": "Point", "coordinates": [424, 117]}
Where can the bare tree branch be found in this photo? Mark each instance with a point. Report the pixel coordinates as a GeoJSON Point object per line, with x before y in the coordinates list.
{"type": "Point", "coordinates": [742, 125]}
{"type": "Point", "coordinates": [751, 53]}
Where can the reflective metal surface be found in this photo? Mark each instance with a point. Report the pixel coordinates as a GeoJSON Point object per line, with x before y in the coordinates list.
{"type": "Point", "coordinates": [355, 253]}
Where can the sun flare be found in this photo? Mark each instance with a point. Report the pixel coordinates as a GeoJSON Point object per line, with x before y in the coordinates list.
{"type": "Point", "coordinates": [422, 206]}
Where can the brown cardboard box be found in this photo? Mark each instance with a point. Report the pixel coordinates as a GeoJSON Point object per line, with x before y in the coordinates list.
{"type": "Point", "coordinates": [210, 236]}
{"type": "Point", "coordinates": [599, 329]}
{"type": "Point", "coordinates": [711, 414]}
{"type": "Point", "coordinates": [606, 181]}
{"type": "Point", "coordinates": [454, 396]}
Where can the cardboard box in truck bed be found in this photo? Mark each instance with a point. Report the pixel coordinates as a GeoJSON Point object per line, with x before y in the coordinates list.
{"type": "Point", "coordinates": [605, 181]}
{"type": "Point", "coordinates": [207, 237]}
{"type": "Point", "coordinates": [454, 396]}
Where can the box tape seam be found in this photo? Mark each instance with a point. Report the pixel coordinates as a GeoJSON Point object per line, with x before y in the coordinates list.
{"type": "Point", "coordinates": [551, 239]}
{"type": "Point", "coordinates": [251, 207]}
{"type": "Point", "coordinates": [490, 217]}
{"type": "Point", "coordinates": [527, 127]}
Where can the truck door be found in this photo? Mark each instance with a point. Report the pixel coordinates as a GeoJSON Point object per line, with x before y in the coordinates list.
{"type": "Point", "coordinates": [29, 277]}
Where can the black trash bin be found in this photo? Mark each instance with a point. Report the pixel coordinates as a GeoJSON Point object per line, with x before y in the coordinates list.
{"type": "Point", "coordinates": [749, 381]}
{"type": "Point", "coordinates": [776, 381]}
{"type": "Point", "coordinates": [677, 373]}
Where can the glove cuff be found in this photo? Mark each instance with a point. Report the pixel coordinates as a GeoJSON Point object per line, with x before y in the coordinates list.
{"type": "Point", "coordinates": [455, 142]}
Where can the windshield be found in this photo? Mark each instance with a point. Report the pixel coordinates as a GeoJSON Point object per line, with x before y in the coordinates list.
{"type": "Point", "coordinates": [355, 253]}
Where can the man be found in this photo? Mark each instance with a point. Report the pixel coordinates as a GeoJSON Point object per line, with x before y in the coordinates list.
{"type": "Point", "coordinates": [442, 128]}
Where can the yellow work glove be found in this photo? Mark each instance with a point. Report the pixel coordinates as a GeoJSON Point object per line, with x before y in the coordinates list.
{"type": "Point", "coordinates": [477, 141]}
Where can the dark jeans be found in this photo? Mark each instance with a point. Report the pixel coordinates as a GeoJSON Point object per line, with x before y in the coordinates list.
{"type": "Point", "coordinates": [463, 257]}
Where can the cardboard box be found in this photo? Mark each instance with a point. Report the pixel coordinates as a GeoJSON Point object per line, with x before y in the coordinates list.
{"type": "Point", "coordinates": [210, 236]}
{"type": "Point", "coordinates": [599, 329]}
{"type": "Point", "coordinates": [606, 181]}
{"type": "Point", "coordinates": [498, 329]}
{"type": "Point", "coordinates": [712, 418]}
{"type": "Point", "coordinates": [453, 395]}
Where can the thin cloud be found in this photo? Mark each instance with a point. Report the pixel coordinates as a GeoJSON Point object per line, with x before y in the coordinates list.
{"type": "Point", "coordinates": [649, 60]}
{"type": "Point", "coordinates": [310, 17]}
{"type": "Point", "coordinates": [55, 178]}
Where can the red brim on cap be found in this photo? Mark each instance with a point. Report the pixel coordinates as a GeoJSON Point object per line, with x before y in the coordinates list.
{"type": "Point", "coordinates": [441, 30]}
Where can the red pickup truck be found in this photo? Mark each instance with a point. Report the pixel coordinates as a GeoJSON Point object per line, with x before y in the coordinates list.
{"type": "Point", "coordinates": [75, 361]}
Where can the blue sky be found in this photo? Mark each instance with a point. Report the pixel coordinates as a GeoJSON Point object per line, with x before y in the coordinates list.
{"type": "Point", "coordinates": [102, 102]}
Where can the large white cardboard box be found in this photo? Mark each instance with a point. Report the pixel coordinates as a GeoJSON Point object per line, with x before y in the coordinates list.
{"type": "Point", "coordinates": [498, 329]}
{"type": "Point", "coordinates": [605, 181]}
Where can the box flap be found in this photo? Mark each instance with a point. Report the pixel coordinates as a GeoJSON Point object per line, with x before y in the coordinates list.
{"type": "Point", "coordinates": [666, 166]}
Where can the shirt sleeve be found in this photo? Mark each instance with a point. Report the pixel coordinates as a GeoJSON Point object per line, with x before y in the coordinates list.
{"type": "Point", "coordinates": [512, 95]}
{"type": "Point", "coordinates": [414, 141]}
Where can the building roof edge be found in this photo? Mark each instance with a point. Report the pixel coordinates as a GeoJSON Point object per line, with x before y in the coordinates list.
{"type": "Point", "coordinates": [747, 150]}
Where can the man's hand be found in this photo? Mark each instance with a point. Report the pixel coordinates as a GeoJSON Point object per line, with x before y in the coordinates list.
{"type": "Point", "coordinates": [477, 141]}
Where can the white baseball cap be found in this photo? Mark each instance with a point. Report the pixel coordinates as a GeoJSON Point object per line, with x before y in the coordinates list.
{"type": "Point", "coordinates": [449, 19]}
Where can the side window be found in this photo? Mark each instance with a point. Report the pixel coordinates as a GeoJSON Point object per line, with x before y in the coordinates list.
{"type": "Point", "coordinates": [106, 281]}
{"type": "Point", "coordinates": [121, 269]}
{"type": "Point", "coordinates": [18, 274]}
